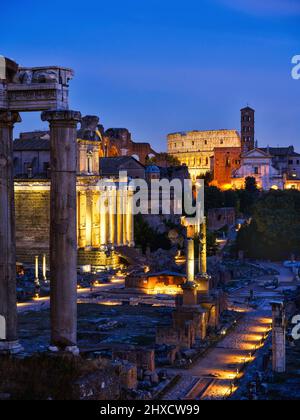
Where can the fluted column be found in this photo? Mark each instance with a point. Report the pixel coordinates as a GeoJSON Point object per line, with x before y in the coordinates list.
{"type": "Point", "coordinates": [103, 218]}
{"type": "Point", "coordinates": [112, 216]}
{"type": "Point", "coordinates": [130, 220]}
{"type": "Point", "coordinates": [81, 219]}
{"type": "Point", "coordinates": [8, 307]}
{"type": "Point", "coordinates": [95, 220]}
{"type": "Point", "coordinates": [203, 247]}
{"type": "Point", "coordinates": [63, 240]}
{"type": "Point", "coordinates": [119, 218]}
{"type": "Point", "coordinates": [190, 260]}
{"type": "Point", "coordinates": [88, 218]}
{"type": "Point", "coordinates": [124, 200]}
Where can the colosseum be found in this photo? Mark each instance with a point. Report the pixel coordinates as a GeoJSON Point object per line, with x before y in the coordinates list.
{"type": "Point", "coordinates": [195, 149]}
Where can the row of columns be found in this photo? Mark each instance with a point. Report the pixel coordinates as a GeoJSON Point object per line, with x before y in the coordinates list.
{"type": "Point", "coordinates": [105, 217]}
{"type": "Point", "coordinates": [63, 231]}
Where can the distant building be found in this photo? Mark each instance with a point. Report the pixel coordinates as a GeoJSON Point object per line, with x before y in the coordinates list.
{"type": "Point", "coordinates": [120, 143]}
{"type": "Point", "coordinates": [97, 232]}
{"type": "Point", "coordinates": [286, 160]}
{"type": "Point", "coordinates": [110, 167]}
{"type": "Point", "coordinates": [152, 172]}
{"type": "Point", "coordinates": [196, 149]}
{"type": "Point", "coordinates": [225, 161]}
{"type": "Point", "coordinates": [247, 129]}
{"type": "Point", "coordinates": [258, 164]}
{"type": "Point", "coordinates": [220, 217]}
{"type": "Point", "coordinates": [32, 155]}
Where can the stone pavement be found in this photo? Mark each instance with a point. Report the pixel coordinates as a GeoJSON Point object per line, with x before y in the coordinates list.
{"type": "Point", "coordinates": [224, 362]}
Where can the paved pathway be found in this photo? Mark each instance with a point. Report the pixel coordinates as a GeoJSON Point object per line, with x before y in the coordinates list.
{"type": "Point", "coordinates": [44, 302]}
{"type": "Point", "coordinates": [222, 364]}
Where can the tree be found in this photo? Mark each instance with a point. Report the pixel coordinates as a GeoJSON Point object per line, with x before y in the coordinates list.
{"type": "Point", "coordinates": [145, 236]}
{"type": "Point", "coordinates": [164, 160]}
{"type": "Point", "coordinates": [274, 231]}
{"type": "Point", "coordinates": [251, 185]}
{"type": "Point", "coordinates": [249, 196]}
{"type": "Point", "coordinates": [213, 197]}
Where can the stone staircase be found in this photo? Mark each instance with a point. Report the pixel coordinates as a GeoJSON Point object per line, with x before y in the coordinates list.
{"type": "Point", "coordinates": [132, 256]}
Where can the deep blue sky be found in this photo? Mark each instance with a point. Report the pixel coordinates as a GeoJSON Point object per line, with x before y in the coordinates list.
{"type": "Point", "coordinates": [159, 66]}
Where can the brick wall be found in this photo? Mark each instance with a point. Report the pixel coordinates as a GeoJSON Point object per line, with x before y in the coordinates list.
{"type": "Point", "coordinates": [32, 224]}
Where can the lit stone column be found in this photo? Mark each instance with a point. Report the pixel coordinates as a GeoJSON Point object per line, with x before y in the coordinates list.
{"type": "Point", "coordinates": [190, 260]}
{"type": "Point", "coordinates": [8, 307]}
{"type": "Point", "coordinates": [119, 218]}
{"type": "Point", "coordinates": [81, 219]}
{"type": "Point", "coordinates": [279, 337]}
{"type": "Point", "coordinates": [124, 200]}
{"type": "Point", "coordinates": [125, 216]}
{"type": "Point", "coordinates": [63, 240]}
{"type": "Point", "coordinates": [88, 218]}
{"type": "Point", "coordinates": [130, 220]}
{"type": "Point", "coordinates": [44, 267]}
{"type": "Point", "coordinates": [112, 216]}
{"type": "Point", "coordinates": [36, 263]}
{"type": "Point", "coordinates": [82, 164]}
{"type": "Point", "coordinates": [203, 248]}
{"type": "Point", "coordinates": [103, 218]}
{"type": "Point", "coordinates": [95, 219]}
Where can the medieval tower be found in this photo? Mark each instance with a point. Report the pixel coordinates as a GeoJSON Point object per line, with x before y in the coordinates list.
{"type": "Point", "coordinates": [247, 129]}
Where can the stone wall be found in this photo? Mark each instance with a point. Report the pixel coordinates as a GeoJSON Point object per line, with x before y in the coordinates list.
{"type": "Point", "coordinates": [32, 223]}
{"type": "Point", "coordinates": [221, 217]}
{"type": "Point", "coordinates": [97, 258]}
{"type": "Point", "coordinates": [196, 148]}
{"type": "Point", "coordinates": [226, 160]}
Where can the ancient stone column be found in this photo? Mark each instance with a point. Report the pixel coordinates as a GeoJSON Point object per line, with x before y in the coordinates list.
{"type": "Point", "coordinates": [190, 260]}
{"type": "Point", "coordinates": [279, 337]}
{"type": "Point", "coordinates": [119, 218]}
{"type": "Point", "coordinates": [130, 219]}
{"type": "Point", "coordinates": [36, 263]}
{"type": "Point", "coordinates": [189, 294]}
{"type": "Point", "coordinates": [63, 240]}
{"type": "Point", "coordinates": [88, 218]}
{"type": "Point", "coordinates": [112, 216]}
{"type": "Point", "coordinates": [81, 219]}
{"type": "Point", "coordinates": [95, 220]}
{"type": "Point", "coordinates": [8, 307]}
{"type": "Point", "coordinates": [103, 218]}
{"type": "Point", "coordinates": [44, 267]}
{"type": "Point", "coordinates": [124, 199]}
{"type": "Point", "coordinates": [203, 248]}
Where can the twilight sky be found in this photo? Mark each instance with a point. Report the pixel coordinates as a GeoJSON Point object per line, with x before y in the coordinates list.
{"type": "Point", "coordinates": [159, 66]}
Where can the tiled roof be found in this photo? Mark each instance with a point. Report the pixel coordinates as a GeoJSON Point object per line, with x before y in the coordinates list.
{"type": "Point", "coordinates": [31, 144]}
{"type": "Point", "coordinates": [281, 151]}
{"type": "Point", "coordinates": [111, 165]}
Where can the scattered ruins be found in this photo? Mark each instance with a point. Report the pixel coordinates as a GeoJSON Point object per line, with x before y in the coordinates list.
{"type": "Point", "coordinates": [198, 307]}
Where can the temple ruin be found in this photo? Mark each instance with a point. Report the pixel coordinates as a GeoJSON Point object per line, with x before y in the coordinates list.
{"type": "Point", "coordinates": [71, 192]}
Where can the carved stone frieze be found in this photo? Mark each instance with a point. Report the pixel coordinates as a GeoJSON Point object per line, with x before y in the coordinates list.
{"type": "Point", "coordinates": [35, 88]}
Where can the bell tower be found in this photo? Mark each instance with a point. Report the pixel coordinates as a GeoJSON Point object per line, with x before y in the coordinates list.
{"type": "Point", "coordinates": [247, 129]}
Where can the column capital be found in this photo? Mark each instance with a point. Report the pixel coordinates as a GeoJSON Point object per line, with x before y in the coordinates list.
{"type": "Point", "coordinates": [61, 116]}
{"type": "Point", "coordinates": [8, 118]}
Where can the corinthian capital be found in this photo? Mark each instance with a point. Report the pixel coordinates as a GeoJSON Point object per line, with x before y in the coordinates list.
{"type": "Point", "coordinates": [9, 117]}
